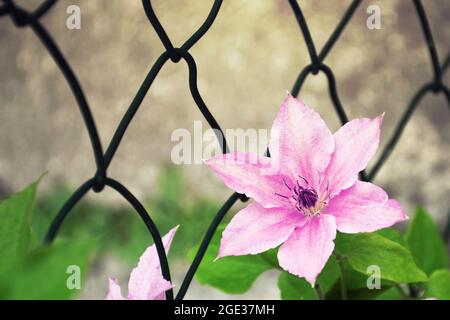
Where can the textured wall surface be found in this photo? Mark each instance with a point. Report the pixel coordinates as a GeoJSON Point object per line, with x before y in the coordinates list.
{"type": "Point", "coordinates": [246, 62]}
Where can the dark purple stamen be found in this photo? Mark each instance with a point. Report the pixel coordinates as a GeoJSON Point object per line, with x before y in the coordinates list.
{"type": "Point", "coordinates": [304, 179]}
{"type": "Point", "coordinates": [304, 198]}
{"type": "Point", "coordinates": [307, 198]}
{"type": "Point", "coordinates": [287, 186]}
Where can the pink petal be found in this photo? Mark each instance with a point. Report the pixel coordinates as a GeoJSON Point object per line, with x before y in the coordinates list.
{"type": "Point", "coordinates": [307, 250]}
{"type": "Point", "coordinates": [256, 229]}
{"type": "Point", "coordinates": [161, 285]}
{"type": "Point", "coordinates": [252, 175]}
{"type": "Point", "coordinates": [114, 292]}
{"type": "Point", "coordinates": [356, 143]}
{"type": "Point", "coordinates": [364, 208]}
{"type": "Point", "coordinates": [146, 280]}
{"type": "Point", "coordinates": [301, 143]}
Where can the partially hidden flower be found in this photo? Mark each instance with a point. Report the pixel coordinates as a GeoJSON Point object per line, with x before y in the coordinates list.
{"type": "Point", "coordinates": [146, 280]}
{"type": "Point", "coordinates": [313, 192]}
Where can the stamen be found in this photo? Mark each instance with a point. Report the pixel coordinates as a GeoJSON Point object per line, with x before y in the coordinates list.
{"type": "Point", "coordinates": [296, 191]}
{"type": "Point", "coordinates": [308, 198]}
{"type": "Point", "coordinates": [305, 200]}
{"type": "Point", "coordinates": [304, 179]}
{"type": "Point", "coordinates": [287, 185]}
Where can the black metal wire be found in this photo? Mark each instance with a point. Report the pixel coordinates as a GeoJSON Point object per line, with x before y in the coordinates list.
{"type": "Point", "coordinates": [137, 100]}
{"type": "Point", "coordinates": [100, 179]}
{"type": "Point", "coordinates": [205, 243]}
{"type": "Point", "coordinates": [76, 89]}
{"type": "Point", "coordinates": [339, 28]}
{"type": "Point", "coordinates": [429, 40]}
{"type": "Point", "coordinates": [43, 8]}
{"type": "Point", "coordinates": [67, 207]}
{"type": "Point", "coordinates": [306, 35]}
{"type": "Point", "coordinates": [3, 10]}
{"type": "Point", "coordinates": [399, 130]}
{"type": "Point", "coordinates": [126, 194]}
{"type": "Point", "coordinates": [436, 86]}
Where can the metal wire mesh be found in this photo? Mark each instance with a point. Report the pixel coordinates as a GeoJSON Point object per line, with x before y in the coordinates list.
{"type": "Point", "coordinates": [97, 183]}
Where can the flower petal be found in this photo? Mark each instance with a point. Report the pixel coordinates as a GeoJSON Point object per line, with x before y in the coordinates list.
{"type": "Point", "coordinates": [307, 250]}
{"type": "Point", "coordinates": [146, 280]}
{"type": "Point", "coordinates": [356, 143]}
{"type": "Point", "coordinates": [252, 175]}
{"type": "Point", "coordinates": [256, 229]}
{"type": "Point", "coordinates": [114, 293]}
{"type": "Point", "coordinates": [364, 208]}
{"type": "Point", "coordinates": [300, 141]}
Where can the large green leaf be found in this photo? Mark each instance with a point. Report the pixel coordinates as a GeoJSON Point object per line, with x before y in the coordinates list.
{"type": "Point", "coordinates": [395, 261]}
{"type": "Point", "coordinates": [356, 280]}
{"type": "Point", "coordinates": [39, 273]}
{"type": "Point", "coordinates": [356, 284]}
{"type": "Point", "coordinates": [392, 234]}
{"type": "Point", "coordinates": [43, 274]}
{"type": "Point", "coordinates": [15, 229]}
{"type": "Point", "coordinates": [438, 285]}
{"type": "Point", "coordinates": [232, 275]}
{"type": "Point", "coordinates": [15, 226]}
{"type": "Point", "coordinates": [295, 288]}
{"type": "Point", "coordinates": [342, 243]}
{"type": "Point", "coordinates": [425, 242]}
{"type": "Point", "coordinates": [343, 240]}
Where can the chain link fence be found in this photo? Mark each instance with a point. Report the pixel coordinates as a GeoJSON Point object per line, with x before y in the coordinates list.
{"type": "Point", "coordinates": [104, 156]}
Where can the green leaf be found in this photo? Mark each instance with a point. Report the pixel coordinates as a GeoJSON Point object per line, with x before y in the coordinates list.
{"type": "Point", "coordinates": [392, 234]}
{"type": "Point", "coordinates": [44, 273]}
{"type": "Point", "coordinates": [425, 242]}
{"type": "Point", "coordinates": [39, 273]}
{"type": "Point", "coordinates": [353, 279]}
{"type": "Point", "coordinates": [342, 243]}
{"type": "Point", "coordinates": [232, 275]}
{"type": "Point", "coordinates": [366, 294]}
{"type": "Point", "coordinates": [343, 240]}
{"type": "Point", "coordinates": [15, 226]}
{"type": "Point", "coordinates": [329, 275]}
{"type": "Point", "coordinates": [395, 261]}
{"type": "Point", "coordinates": [438, 285]}
{"type": "Point", "coordinates": [356, 281]}
{"type": "Point", "coordinates": [393, 293]}
{"type": "Point", "coordinates": [295, 288]}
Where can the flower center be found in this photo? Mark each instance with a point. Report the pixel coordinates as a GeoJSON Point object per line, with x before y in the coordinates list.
{"type": "Point", "coordinates": [305, 200]}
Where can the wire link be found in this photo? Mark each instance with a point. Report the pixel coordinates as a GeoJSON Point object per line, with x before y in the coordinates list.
{"type": "Point", "coordinates": [22, 18]}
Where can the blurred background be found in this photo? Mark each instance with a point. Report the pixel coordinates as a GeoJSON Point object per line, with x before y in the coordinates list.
{"type": "Point", "coordinates": [247, 60]}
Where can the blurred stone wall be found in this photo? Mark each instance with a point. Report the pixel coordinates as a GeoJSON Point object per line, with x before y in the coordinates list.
{"type": "Point", "coordinates": [246, 62]}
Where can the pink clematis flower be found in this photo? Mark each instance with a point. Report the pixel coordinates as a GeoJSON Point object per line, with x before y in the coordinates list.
{"type": "Point", "coordinates": [146, 280]}
{"type": "Point", "coordinates": [313, 192]}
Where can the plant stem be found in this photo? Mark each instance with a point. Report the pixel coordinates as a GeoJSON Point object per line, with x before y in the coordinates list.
{"type": "Point", "coordinates": [319, 292]}
{"type": "Point", "coordinates": [342, 280]}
